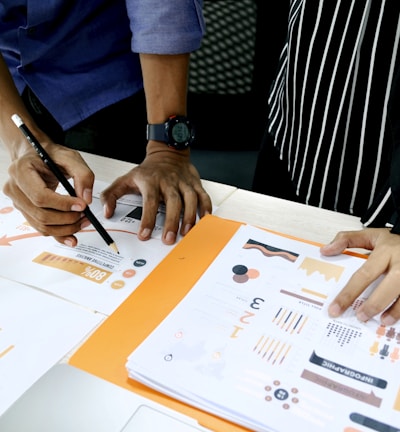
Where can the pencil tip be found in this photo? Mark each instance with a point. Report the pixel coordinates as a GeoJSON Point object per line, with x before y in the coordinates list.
{"type": "Point", "coordinates": [113, 246]}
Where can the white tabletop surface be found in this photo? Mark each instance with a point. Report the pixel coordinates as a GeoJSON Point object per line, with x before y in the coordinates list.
{"type": "Point", "coordinates": [299, 220]}
{"type": "Point", "coordinates": [291, 218]}
{"type": "Point", "coordinates": [295, 219]}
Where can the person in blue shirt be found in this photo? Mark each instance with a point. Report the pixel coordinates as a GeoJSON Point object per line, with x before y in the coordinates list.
{"type": "Point", "coordinates": [89, 75]}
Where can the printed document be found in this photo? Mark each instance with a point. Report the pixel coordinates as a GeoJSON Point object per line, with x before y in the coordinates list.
{"type": "Point", "coordinates": [252, 343]}
{"type": "Point", "coordinates": [91, 274]}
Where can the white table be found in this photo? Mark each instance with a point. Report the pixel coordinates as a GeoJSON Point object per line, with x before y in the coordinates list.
{"type": "Point", "coordinates": [299, 220]}
{"type": "Point", "coordinates": [108, 170]}
{"type": "Point", "coordinates": [291, 218]}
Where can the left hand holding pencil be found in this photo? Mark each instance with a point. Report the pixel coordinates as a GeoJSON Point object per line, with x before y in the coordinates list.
{"type": "Point", "coordinates": [31, 186]}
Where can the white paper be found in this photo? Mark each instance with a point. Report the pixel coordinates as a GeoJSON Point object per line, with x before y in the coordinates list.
{"type": "Point", "coordinates": [252, 343]}
{"type": "Point", "coordinates": [36, 331]}
{"type": "Point", "coordinates": [90, 274]}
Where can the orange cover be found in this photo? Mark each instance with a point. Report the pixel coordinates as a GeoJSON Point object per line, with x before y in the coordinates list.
{"type": "Point", "coordinates": [106, 351]}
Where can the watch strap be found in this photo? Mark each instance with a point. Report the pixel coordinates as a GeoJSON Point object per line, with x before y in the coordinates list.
{"type": "Point", "coordinates": [177, 132]}
{"type": "Point", "coordinates": [156, 132]}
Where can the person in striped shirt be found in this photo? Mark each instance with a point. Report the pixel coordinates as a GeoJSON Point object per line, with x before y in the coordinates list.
{"type": "Point", "coordinates": [333, 134]}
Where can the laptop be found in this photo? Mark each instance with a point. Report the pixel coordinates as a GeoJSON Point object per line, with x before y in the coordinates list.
{"type": "Point", "coordinates": [68, 399]}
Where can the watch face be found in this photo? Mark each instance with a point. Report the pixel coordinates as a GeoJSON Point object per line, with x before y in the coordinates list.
{"type": "Point", "coordinates": [180, 133]}
{"type": "Point", "coordinates": [177, 132]}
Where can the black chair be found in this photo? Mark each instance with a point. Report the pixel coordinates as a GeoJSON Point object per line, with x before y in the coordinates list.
{"type": "Point", "coordinates": [229, 80]}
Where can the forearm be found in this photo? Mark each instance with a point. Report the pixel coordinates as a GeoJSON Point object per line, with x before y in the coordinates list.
{"type": "Point", "coordinates": [11, 103]}
{"type": "Point", "coordinates": [165, 80]}
{"type": "Point", "coordinates": [165, 84]}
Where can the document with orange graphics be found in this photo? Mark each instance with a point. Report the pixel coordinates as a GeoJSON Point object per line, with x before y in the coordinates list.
{"type": "Point", "coordinates": [91, 274]}
{"type": "Point", "coordinates": [251, 342]}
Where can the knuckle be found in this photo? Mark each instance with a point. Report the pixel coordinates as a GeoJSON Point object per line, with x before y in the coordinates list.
{"type": "Point", "coordinates": [345, 299]}
{"type": "Point", "coordinates": [372, 309]}
{"type": "Point", "coordinates": [365, 273]}
{"type": "Point", "coordinates": [38, 200]}
{"type": "Point", "coordinates": [40, 218]}
{"type": "Point", "coordinates": [341, 235]}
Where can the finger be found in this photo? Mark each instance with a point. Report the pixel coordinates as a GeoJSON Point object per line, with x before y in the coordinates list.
{"type": "Point", "coordinates": [56, 224]}
{"type": "Point", "coordinates": [392, 314]}
{"type": "Point", "coordinates": [173, 208]}
{"type": "Point", "coordinates": [120, 186]}
{"type": "Point", "coordinates": [203, 200]}
{"type": "Point", "coordinates": [151, 203]}
{"type": "Point", "coordinates": [44, 198]}
{"type": "Point", "coordinates": [46, 220]}
{"type": "Point", "coordinates": [70, 241]}
{"type": "Point", "coordinates": [374, 266]}
{"type": "Point", "coordinates": [190, 206]}
{"type": "Point", "coordinates": [135, 182]}
{"type": "Point", "coordinates": [109, 200]}
{"type": "Point", "coordinates": [205, 204]}
{"type": "Point", "coordinates": [381, 298]}
{"type": "Point", "coordinates": [350, 239]}
{"type": "Point", "coordinates": [74, 166]}
{"type": "Point", "coordinates": [37, 187]}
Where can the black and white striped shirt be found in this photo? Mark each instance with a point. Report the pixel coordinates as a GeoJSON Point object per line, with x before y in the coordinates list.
{"type": "Point", "coordinates": [329, 102]}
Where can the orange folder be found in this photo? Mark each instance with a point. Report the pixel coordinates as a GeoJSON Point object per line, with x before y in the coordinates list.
{"type": "Point", "coordinates": [106, 351]}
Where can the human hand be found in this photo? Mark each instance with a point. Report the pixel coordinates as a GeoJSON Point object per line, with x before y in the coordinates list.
{"type": "Point", "coordinates": [383, 260]}
{"type": "Point", "coordinates": [166, 175]}
{"type": "Point", "coordinates": [31, 186]}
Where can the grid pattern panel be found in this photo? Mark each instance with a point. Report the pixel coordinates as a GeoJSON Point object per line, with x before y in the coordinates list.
{"type": "Point", "coordinates": [225, 62]}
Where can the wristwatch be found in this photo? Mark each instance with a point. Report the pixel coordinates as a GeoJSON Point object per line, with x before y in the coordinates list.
{"type": "Point", "coordinates": [177, 132]}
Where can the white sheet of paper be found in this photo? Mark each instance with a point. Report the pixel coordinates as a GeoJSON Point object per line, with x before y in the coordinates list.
{"type": "Point", "coordinates": [252, 342]}
{"type": "Point", "coordinates": [36, 331]}
{"type": "Point", "coordinates": [90, 274]}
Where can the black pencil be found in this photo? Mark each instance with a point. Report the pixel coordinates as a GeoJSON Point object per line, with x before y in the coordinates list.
{"type": "Point", "coordinates": [62, 179]}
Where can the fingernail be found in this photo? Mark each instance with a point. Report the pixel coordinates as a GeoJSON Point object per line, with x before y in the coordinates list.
{"type": "Point", "coordinates": [87, 195]}
{"type": "Point", "coordinates": [170, 237]}
{"type": "Point", "coordinates": [361, 316]}
{"type": "Point", "coordinates": [68, 243]}
{"type": "Point", "coordinates": [388, 320]}
{"type": "Point", "coordinates": [188, 227]}
{"type": "Point", "coordinates": [146, 233]}
{"type": "Point", "coordinates": [85, 224]}
{"type": "Point", "coordinates": [76, 207]}
{"type": "Point", "coordinates": [334, 310]}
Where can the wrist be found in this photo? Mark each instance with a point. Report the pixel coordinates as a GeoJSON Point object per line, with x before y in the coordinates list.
{"type": "Point", "coordinates": [158, 146]}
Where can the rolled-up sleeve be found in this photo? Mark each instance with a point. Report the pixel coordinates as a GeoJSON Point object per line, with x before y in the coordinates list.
{"type": "Point", "coordinates": [166, 26]}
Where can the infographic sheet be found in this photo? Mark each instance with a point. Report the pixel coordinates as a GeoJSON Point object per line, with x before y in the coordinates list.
{"type": "Point", "coordinates": [91, 274]}
{"type": "Point", "coordinates": [252, 343]}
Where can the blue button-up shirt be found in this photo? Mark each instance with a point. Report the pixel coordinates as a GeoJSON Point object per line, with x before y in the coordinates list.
{"type": "Point", "coordinates": [81, 56]}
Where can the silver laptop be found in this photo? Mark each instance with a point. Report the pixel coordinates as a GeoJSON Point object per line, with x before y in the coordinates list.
{"type": "Point", "coordinates": [67, 399]}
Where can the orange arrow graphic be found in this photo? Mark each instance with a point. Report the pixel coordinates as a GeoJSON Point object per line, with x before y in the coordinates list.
{"type": "Point", "coordinates": [6, 241]}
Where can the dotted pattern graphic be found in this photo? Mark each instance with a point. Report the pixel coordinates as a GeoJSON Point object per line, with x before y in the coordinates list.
{"type": "Point", "coordinates": [342, 335]}
{"type": "Point", "coordinates": [224, 64]}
